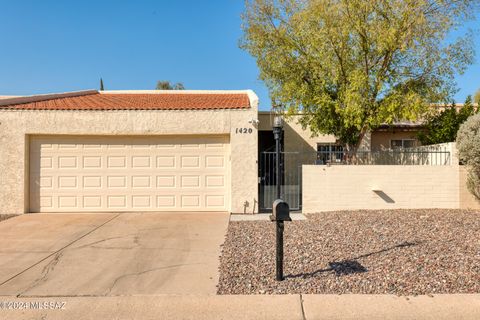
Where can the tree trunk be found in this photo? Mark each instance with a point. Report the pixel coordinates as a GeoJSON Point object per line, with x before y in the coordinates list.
{"type": "Point", "coordinates": [352, 150]}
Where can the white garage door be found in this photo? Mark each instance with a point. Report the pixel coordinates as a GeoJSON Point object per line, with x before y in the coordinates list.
{"type": "Point", "coordinates": [146, 173]}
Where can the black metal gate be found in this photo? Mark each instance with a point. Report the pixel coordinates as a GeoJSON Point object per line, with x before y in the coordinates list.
{"type": "Point", "coordinates": [291, 182]}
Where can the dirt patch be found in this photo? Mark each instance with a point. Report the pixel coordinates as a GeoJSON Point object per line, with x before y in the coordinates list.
{"type": "Point", "coordinates": [372, 252]}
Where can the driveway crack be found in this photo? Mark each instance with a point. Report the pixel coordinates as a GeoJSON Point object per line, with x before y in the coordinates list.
{"type": "Point", "coordinates": [92, 244]}
{"type": "Point", "coordinates": [56, 252]}
{"type": "Point", "coordinates": [136, 274]}
{"type": "Point", "coordinates": [301, 306]}
{"type": "Point", "coordinates": [43, 276]}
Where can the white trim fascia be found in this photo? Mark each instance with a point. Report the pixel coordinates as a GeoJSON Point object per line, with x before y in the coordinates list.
{"type": "Point", "coordinates": [254, 101]}
{"type": "Point", "coordinates": [173, 91]}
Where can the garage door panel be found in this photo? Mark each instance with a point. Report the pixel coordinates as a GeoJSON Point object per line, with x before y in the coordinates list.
{"type": "Point", "coordinates": [91, 162]}
{"type": "Point", "coordinates": [92, 202]}
{"type": "Point", "coordinates": [85, 174]}
{"type": "Point", "coordinates": [215, 181]}
{"type": "Point", "coordinates": [215, 201]}
{"type": "Point", "coordinates": [92, 182]}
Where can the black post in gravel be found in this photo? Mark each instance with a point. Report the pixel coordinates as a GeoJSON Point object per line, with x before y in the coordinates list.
{"type": "Point", "coordinates": [281, 210]}
{"type": "Point", "coordinates": [280, 228]}
{"type": "Point", "coordinates": [277, 135]}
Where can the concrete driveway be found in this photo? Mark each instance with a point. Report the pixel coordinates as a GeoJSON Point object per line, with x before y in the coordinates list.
{"type": "Point", "coordinates": [111, 254]}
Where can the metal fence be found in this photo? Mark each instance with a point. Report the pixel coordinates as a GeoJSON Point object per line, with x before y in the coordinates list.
{"type": "Point", "coordinates": [415, 156]}
{"type": "Point", "coordinates": [291, 167]}
{"type": "Point", "coordinates": [291, 179]}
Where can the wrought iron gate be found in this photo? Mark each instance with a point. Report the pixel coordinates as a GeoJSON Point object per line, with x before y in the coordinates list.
{"type": "Point", "coordinates": [291, 182]}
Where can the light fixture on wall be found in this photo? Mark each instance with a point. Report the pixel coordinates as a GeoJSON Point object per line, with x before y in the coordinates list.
{"type": "Point", "coordinates": [254, 121]}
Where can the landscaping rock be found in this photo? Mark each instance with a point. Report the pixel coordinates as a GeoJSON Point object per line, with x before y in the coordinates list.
{"type": "Point", "coordinates": [403, 252]}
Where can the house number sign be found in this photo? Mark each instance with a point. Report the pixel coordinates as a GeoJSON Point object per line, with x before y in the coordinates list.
{"type": "Point", "coordinates": [243, 130]}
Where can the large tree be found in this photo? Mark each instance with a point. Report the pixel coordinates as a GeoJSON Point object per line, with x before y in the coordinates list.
{"type": "Point", "coordinates": [350, 65]}
{"type": "Point", "coordinates": [166, 85]}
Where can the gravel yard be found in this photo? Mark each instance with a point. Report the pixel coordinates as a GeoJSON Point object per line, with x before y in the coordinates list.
{"type": "Point", "coordinates": [404, 252]}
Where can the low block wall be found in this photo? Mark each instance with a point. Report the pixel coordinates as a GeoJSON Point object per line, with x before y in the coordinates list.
{"type": "Point", "coordinates": [328, 188]}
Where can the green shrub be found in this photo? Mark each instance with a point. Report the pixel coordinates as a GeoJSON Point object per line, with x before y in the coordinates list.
{"type": "Point", "coordinates": [442, 127]}
{"type": "Point", "coordinates": [468, 145]}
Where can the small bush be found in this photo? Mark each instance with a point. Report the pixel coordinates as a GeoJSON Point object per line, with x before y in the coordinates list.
{"type": "Point", "coordinates": [473, 183]}
{"type": "Point", "coordinates": [468, 145]}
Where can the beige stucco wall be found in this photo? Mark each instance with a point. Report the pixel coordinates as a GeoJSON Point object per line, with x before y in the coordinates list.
{"type": "Point", "coordinates": [328, 188]}
{"type": "Point", "coordinates": [296, 139]}
{"type": "Point", "coordinates": [302, 140]}
{"type": "Point", "coordinates": [467, 200]}
{"type": "Point", "coordinates": [16, 126]}
{"type": "Point", "coordinates": [380, 140]}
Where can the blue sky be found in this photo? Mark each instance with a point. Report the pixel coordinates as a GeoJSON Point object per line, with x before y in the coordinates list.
{"type": "Point", "coordinates": [56, 46]}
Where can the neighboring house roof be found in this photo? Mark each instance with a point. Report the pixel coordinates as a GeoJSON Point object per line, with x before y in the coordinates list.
{"type": "Point", "coordinates": [402, 125]}
{"type": "Point", "coordinates": [135, 100]}
{"type": "Point", "coordinates": [8, 97]}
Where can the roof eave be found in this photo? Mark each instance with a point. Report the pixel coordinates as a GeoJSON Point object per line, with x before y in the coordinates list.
{"type": "Point", "coordinates": [44, 97]}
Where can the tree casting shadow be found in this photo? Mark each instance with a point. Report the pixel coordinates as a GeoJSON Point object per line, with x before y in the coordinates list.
{"type": "Point", "coordinates": [350, 266]}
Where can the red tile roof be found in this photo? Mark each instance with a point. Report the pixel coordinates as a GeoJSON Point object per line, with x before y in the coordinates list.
{"type": "Point", "coordinates": [132, 101]}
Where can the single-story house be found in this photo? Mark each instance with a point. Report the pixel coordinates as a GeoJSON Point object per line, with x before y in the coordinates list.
{"type": "Point", "coordinates": [101, 151]}
{"type": "Point", "coordinates": [110, 151]}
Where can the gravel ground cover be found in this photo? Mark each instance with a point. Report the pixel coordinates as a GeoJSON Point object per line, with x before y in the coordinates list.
{"type": "Point", "coordinates": [403, 252]}
{"type": "Point", "coordinates": [6, 216]}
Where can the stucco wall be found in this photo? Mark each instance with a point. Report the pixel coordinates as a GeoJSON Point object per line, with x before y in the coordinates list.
{"type": "Point", "coordinates": [16, 126]}
{"type": "Point", "coordinates": [328, 188]}
{"type": "Point", "coordinates": [296, 139]}
{"type": "Point", "coordinates": [302, 140]}
{"type": "Point", "coordinates": [299, 140]}
{"type": "Point", "coordinates": [467, 200]}
{"type": "Point", "coordinates": [380, 140]}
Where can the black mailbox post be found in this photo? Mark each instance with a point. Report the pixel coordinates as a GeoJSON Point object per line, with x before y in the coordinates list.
{"type": "Point", "coordinates": [281, 213]}
{"type": "Point", "coordinates": [281, 210]}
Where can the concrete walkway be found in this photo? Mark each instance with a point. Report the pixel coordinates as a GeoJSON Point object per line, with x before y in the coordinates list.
{"type": "Point", "coordinates": [291, 307]}
{"type": "Point", "coordinates": [264, 217]}
{"type": "Point", "coordinates": [111, 254]}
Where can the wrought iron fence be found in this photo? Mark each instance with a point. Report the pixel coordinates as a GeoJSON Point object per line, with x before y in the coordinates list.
{"type": "Point", "coordinates": [417, 156]}
{"type": "Point", "coordinates": [291, 168]}
{"type": "Point", "coordinates": [291, 179]}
